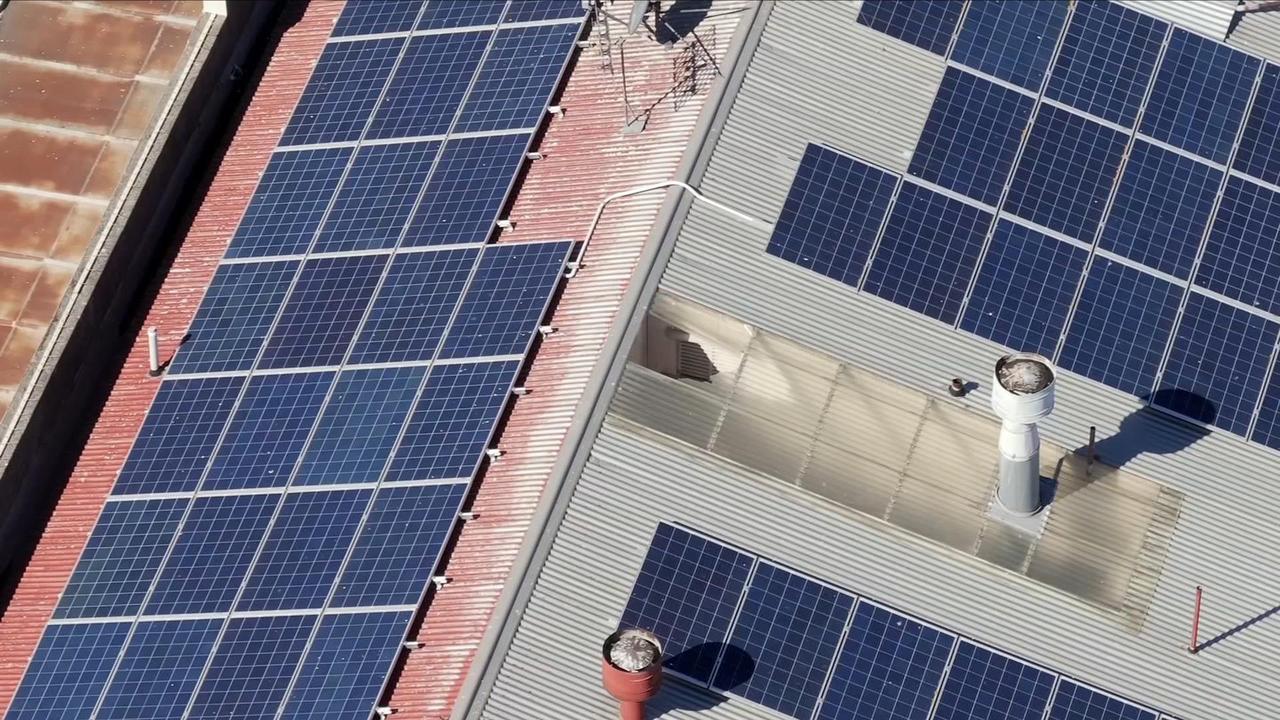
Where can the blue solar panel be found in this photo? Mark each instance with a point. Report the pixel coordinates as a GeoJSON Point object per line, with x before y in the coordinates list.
{"type": "Point", "coordinates": [1106, 61]}
{"type": "Point", "coordinates": [928, 252]}
{"type": "Point", "coordinates": [344, 87]}
{"type": "Point", "coordinates": [453, 421]}
{"type": "Point", "coordinates": [972, 135]}
{"type": "Point", "coordinates": [1077, 702]}
{"type": "Point", "coordinates": [889, 668]}
{"type": "Point", "coordinates": [506, 299]}
{"type": "Point", "coordinates": [346, 666]}
{"type": "Point", "coordinates": [440, 15]}
{"type": "Point", "coordinates": [265, 437]}
{"type": "Point", "coordinates": [289, 202]}
{"type": "Point", "coordinates": [1066, 173]}
{"type": "Point", "coordinates": [366, 17]}
{"type": "Point", "coordinates": [1199, 96]}
{"type": "Point", "coordinates": [359, 426]}
{"type": "Point", "coordinates": [234, 317]}
{"type": "Point", "coordinates": [399, 545]}
{"type": "Point", "coordinates": [1267, 428]}
{"type": "Point", "coordinates": [984, 685]}
{"type": "Point", "coordinates": [304, 551]}
{"type": "Point", "coordinates": [413, 306]}
{"type": "Point", "coordinates": [323, 311]}
{"type": "Point", "coordinates": [1220, 353]}
{"type": "Point", "coordinates": [1241, 258]}
{"type": "Point", "coordinates": [788, 628]}
{"type": "Point", "coordinates": [179, 434]}
{"type": "Point", "coordinates": [67, 672]}
{"type": "Point", "coordinates": [251, 669]}
{"type": "Point", "coordinates": [517, 79]}
{"type": "Point", "coordinates": [1121, 326]}
{"type": "Point", "coordinates": [212, 555]}
{"type": "Point", "coordinates": [832, 214]}
{"type": "Point", "coordinates": [159, 669]}
{"type": "Point", "coordinates": [466, 190]}
{"type": "Point", "coordinates": [1161, 209]}
{"type": "Point", "coordinates": [925, 23]}
{"type": "Point", "coordinates": [423, 96]}
{"type": "Point", "coordinates": [534, 10]}
{"type": "Point", "coordinates": [377, 197]}
{"type": "Point", "coordinates": [122, 556]}
{"type": "Point", "coordinates": [1259, 151]}
{"type": "Point", "coordinates": [686, 593]}
{"type": "Point", "coordinates": [1013, 40]}
{"type": "Point", "coordinates": [1024, 290]}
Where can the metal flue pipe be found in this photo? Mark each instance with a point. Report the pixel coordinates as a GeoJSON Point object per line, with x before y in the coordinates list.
{"type": "Point", "coordinates": [1022, 394]}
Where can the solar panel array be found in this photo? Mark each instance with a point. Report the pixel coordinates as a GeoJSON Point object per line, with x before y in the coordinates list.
{"type": "Point", "coordinates": [1092, 184]}
{"type": "Point", "coordinates": [742, 625]}
{"type": "Point", "coordinates": [278, 521]}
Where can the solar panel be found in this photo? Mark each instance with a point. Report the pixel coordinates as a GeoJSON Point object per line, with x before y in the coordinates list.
{"type": "Point", "coordinates": [1266, 429]}
{"type": "Point", "coordinates": [1241, 258]}
{"type": "Point", "coordinates": [323, 311]}
{"type": "Point", "coordinates": [686, 593]}
{"type": "Point", "coordinates": [1024, 289]}
{"type": "Point", "coordinates": [519, 74]}
{"type": "Point", "coordinates": [423, 95]}
{"type": "Point", "coordinates": [378, 16]}
{"type": "Point", "coordinates": [889, 668]}
{"type": "Point", "coordinates": [535, 10]}
{"type": "Point", "coordinates": [377, 196]}
{"type": "Point", "coordinates": [413, 306]}
{"type": "Point", "coordinates": [1220, 353]}
{"type": "Point", "coordinates": [832, 214]}
{"type": "Point", "coordinates": [1077, 702]}
{"type": "Point", "coordinates": [466, 190]}
{"type": "Point", "coordinates": [985, 685]}
{"type": "Point", "coordinates": [1161, 209]}
{"type": "Point", "coordinates": [342, 91]}
{"type": "Point", "coordinates": [971, 136]}
{"type": "Point", "coordinates": [344, 671]}
{"type": "Point", "coordinates": [1259, 151]}
{"type": "Point", "coordinates": [928, 24]}
{"type": "Point", "coordinates": [443, 15]}
{"type": "Point", "coordinates": [234, 317]}
{"type": "Point", "coordinates": [159, 669]}
{"type": "Point", "coordinates": [68, 671]}
{"type": "Point", "coordinates": [788, 628]}
{"type": "Point", "coordinates": [927, 252]}
{"type": "Point", "coordinates": [1106, 61]}
{"type": "Point", "coordinates": [1066, 172]}
{"type": "Point", "coordinates": [289, 202]}
{"type": "Point", "coordinates": [1013, 40]}
{"type": "Point", "coordinates": [1121, 326]}
{"type": "Point", "coordinates": [250, 671]}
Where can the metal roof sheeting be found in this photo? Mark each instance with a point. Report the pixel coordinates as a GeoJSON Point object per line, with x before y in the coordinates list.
{"type": "Point", "coordinates": [1207, 17]}
{"type": "Point", "coordinates": [1258, 33]}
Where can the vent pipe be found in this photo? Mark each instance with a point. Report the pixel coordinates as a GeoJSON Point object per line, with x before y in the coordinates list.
{"type": "Point", "coordinates": [1022, 395]}
{"type": "Point", "coordinates": [632, 669]}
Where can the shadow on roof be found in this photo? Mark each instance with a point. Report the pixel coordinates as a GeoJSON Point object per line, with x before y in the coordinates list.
{"type": "Point", "coordinates": [681, 19]}
{"type": "Point", "coordinates": [736, 668]}
{"type": "Point", "coordinates": [1151, 430]}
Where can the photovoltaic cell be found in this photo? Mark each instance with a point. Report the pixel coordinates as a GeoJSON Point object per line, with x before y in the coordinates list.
{"type": "Point", "coordinates": [323, 311]}
{"type": "Point", "coordinates": [178, 436]}
{"type": "Point", "coordinates": [1013, 40]}
{"type": "Point", "coordinates": [159, 669]}
{"type": "Point", "coordinates": [1065, 174]}
{"type": "Point", "coordinates": [889, 668]}
{"type": "Point", "coordinates": [1077, 702]}
{"type": "Point", "coordinates": [1200, 95]}
{"type": "Point", "coordinates": [1259, 151]}
{"type": "Point", "coordinates": [423, 96]}
{"type": "Point", "coordinates": [413, 306]}
{"type": "Point", "coordinates": [377, 197]}
{"type": "Point", "coordinates": [517, 78]}
{"type": "Point", "coordinates": [342, 91]}
{"type": "Point", "coordinates": [289, 202]}
{"type": "Point", "coordinates": [251, 669]}
{"type": "Point", "coordinates": [304, 551]}
{"type": "Point", "coordinates": [346, 666]}
{"type": "Point", "coordinates": [440, 15]}
{"type": "Point", "coordinates": [212, 555]}
{"type": "Point", "coordinates": [686, 594]}
{"type": "Point", "coordinates": [971, 136]}
{"type": "Point", "coordinates": [234, 317]}
{"type": "Point", "coordinates": [359, 426]}
{"type": "Point", "coordinates": [1106, 61]}
{"type": "Point", "coordinates": [924, 23]}
{"type": "Point", "coordinates": [1241, 258]}
{"type": "Point", "coordinates": [466, 190]}
{"type": "Point", "coordinates": [1121, 327]}
{"type": "Point", "coordinates": [265, 436]}
{"type": "Point", "coordinates": [983, 685]}
{"type": "Point", "coordinates": [788, 628]}
{"type": "Point", "coordinates": [453, 421]}
{"type": "Point", "coordinates": [1161, 209]}
{"type": "Point", "coordinates": [832, 214]}
{"type": "Point", "coordinates": [1220, 354]}
{"type": "Point", "coordinates": [1024, 289]}
{"type": "Point", "coordinates": [377, 16]}
{"type": "Point", "coordinates": [928, 252]}
{"type": "Point", "coordinates": [125, 550]}
{"type": "Point", "coordinates": [1267, 428]}
{"type": "Point", "coordinates": [67, 672]}
{"type": "Point", "coordinates": [533, 10]}
{"type": "Point", "coordinates": [399, 545]}
{"type": "Point", "coordinates": [506, 299]}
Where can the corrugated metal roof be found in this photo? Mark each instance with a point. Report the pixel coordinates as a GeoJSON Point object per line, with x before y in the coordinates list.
{"type": "Point", "coordinates": [1258, 33]}
{"type": "Point", "coordinates": [1207, 17]}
